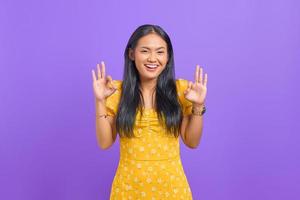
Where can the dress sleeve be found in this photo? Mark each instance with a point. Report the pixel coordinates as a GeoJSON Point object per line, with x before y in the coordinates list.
{"type": "Point", "coordinates": [186, 105]}
{"type": "Point", "coordinates": [112, 102]}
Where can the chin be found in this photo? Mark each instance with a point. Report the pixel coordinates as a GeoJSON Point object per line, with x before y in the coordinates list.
{"type": "Point", "coordinates": [146, 76]}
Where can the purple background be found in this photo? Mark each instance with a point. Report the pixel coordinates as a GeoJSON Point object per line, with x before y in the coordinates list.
{"type": "Point", "coordinates": [250, 50]}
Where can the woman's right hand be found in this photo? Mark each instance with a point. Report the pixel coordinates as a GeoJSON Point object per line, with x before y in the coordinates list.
{"type": "Point", "coordinates": [103, 86]}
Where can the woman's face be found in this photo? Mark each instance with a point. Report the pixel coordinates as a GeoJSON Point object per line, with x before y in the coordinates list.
{"type": "Point", "coordinates": [150, 56]}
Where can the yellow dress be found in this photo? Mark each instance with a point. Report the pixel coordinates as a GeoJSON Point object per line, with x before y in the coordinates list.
{"type": "Point", "coordinates": [150, 166]}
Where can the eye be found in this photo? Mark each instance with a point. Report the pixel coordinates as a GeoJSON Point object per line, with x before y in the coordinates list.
{"type": "Point", "coordinates": [160, 52]}
{"type": "Point", "coordinates": [143, 51]}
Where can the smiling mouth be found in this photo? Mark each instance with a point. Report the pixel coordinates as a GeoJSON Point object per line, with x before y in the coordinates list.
{"type": "Point", "coordinates": [151, 66]}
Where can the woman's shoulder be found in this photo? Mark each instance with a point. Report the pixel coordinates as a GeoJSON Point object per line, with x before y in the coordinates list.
{"type": "Point", "coordinates": [115, 97]}
{"type": "Point", "coordinates": [117, 83]}
{"type": "Point", "coordinates": [113, 100]}
{"type": "Point", "coordinates": [181, 84]}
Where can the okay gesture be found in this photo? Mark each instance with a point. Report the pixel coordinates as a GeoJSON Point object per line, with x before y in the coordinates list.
{"type": "Point", "coordinates": [196, 92]}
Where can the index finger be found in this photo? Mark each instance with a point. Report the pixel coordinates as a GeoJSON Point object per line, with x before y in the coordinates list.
{"type": "Point", "coordinates": [103, 70]}
{"type": "Point", "coordinates": [197, 74]}
{"type": "Point", "coordinates": [94, 75]}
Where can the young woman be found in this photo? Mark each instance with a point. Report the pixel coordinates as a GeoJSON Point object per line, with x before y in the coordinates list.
{"type": "Point", "coordinates": [150, 110]}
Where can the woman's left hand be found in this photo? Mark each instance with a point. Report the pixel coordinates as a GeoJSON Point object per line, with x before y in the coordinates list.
{"type": "Point", "coordinates": [196, 92]}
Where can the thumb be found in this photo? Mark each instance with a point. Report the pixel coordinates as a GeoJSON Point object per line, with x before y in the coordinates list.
{"type": "Point", "coordinates": [109, 80]}
{"type": "Point", "coordinates": [189, 87]}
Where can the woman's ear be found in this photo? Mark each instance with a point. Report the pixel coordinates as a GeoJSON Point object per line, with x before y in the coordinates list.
{"type": "Point", "coordinates": [131, 54]}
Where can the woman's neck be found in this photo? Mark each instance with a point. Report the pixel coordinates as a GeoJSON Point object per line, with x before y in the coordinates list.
{"type": "Point", "coordinates": [148, 91]}
{"type": "Point", "coordinates": [148, 86]}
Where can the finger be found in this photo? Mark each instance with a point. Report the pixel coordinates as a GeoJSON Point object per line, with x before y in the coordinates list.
{"type": "Point", "coordinates": [110, 81]}
{"type": "Point", "coordinates": [196, 74]}
{"type": "Point", "coordinates": [190, 85]}
{"type": "Point", "coordinates": [99, 72]}
{"type": "Point", "coordinates": [108, 78]}
{"type": "Point", "coordinates": [201, 75]}
{"type": "Point", "coordinates": [187, 89]}
{"type": "Point", "coordinates": [205, 79]}
{"type": "Point", "coordinates": [103, 69]}
{"type": "Point", "coordinates": [94, 76]}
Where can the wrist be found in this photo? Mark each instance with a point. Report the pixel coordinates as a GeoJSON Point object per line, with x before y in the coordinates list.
{"type": "Point", "coordinates": [198, 109]}
{"type": "Point", "coordinates": [198, 105]}
{"type": "Point", "coordinates": [100, 106]}
{"type": "Point", "coordinates": [100, 101]}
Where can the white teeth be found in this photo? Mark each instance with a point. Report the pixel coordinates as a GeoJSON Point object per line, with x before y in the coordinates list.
{"type": "Point", "coordinates": [151, 66]}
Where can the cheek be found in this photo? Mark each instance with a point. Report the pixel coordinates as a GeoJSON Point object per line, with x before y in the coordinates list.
{"type": "Point", "coordinates": [140, 57]}
{"type": "Point", "coordinates": [163, 59]}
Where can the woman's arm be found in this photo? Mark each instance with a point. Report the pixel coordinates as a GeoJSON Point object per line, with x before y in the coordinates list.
{"type": "Point", "coordinates": [105, 127]}
{"type": "Point", "coordinates": [191, 130]}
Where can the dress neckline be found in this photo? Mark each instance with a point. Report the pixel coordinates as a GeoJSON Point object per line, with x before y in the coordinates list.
{"type": "Point", "coordinates": [149, 110]}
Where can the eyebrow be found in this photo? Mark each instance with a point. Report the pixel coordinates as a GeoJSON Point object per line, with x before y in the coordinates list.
{"type": "Point", "coordinates": [156, 49]}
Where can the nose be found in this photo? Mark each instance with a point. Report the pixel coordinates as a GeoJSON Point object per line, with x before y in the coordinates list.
{"type": "Point", "coordinates": [151, 57]}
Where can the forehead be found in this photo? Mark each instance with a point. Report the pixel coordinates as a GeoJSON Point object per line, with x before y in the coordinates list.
{"type": "Point", "coordinates": [152, 41]}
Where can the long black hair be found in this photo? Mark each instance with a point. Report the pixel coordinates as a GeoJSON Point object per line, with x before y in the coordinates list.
{"type": "Point", "coordinates": [166, 100]}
